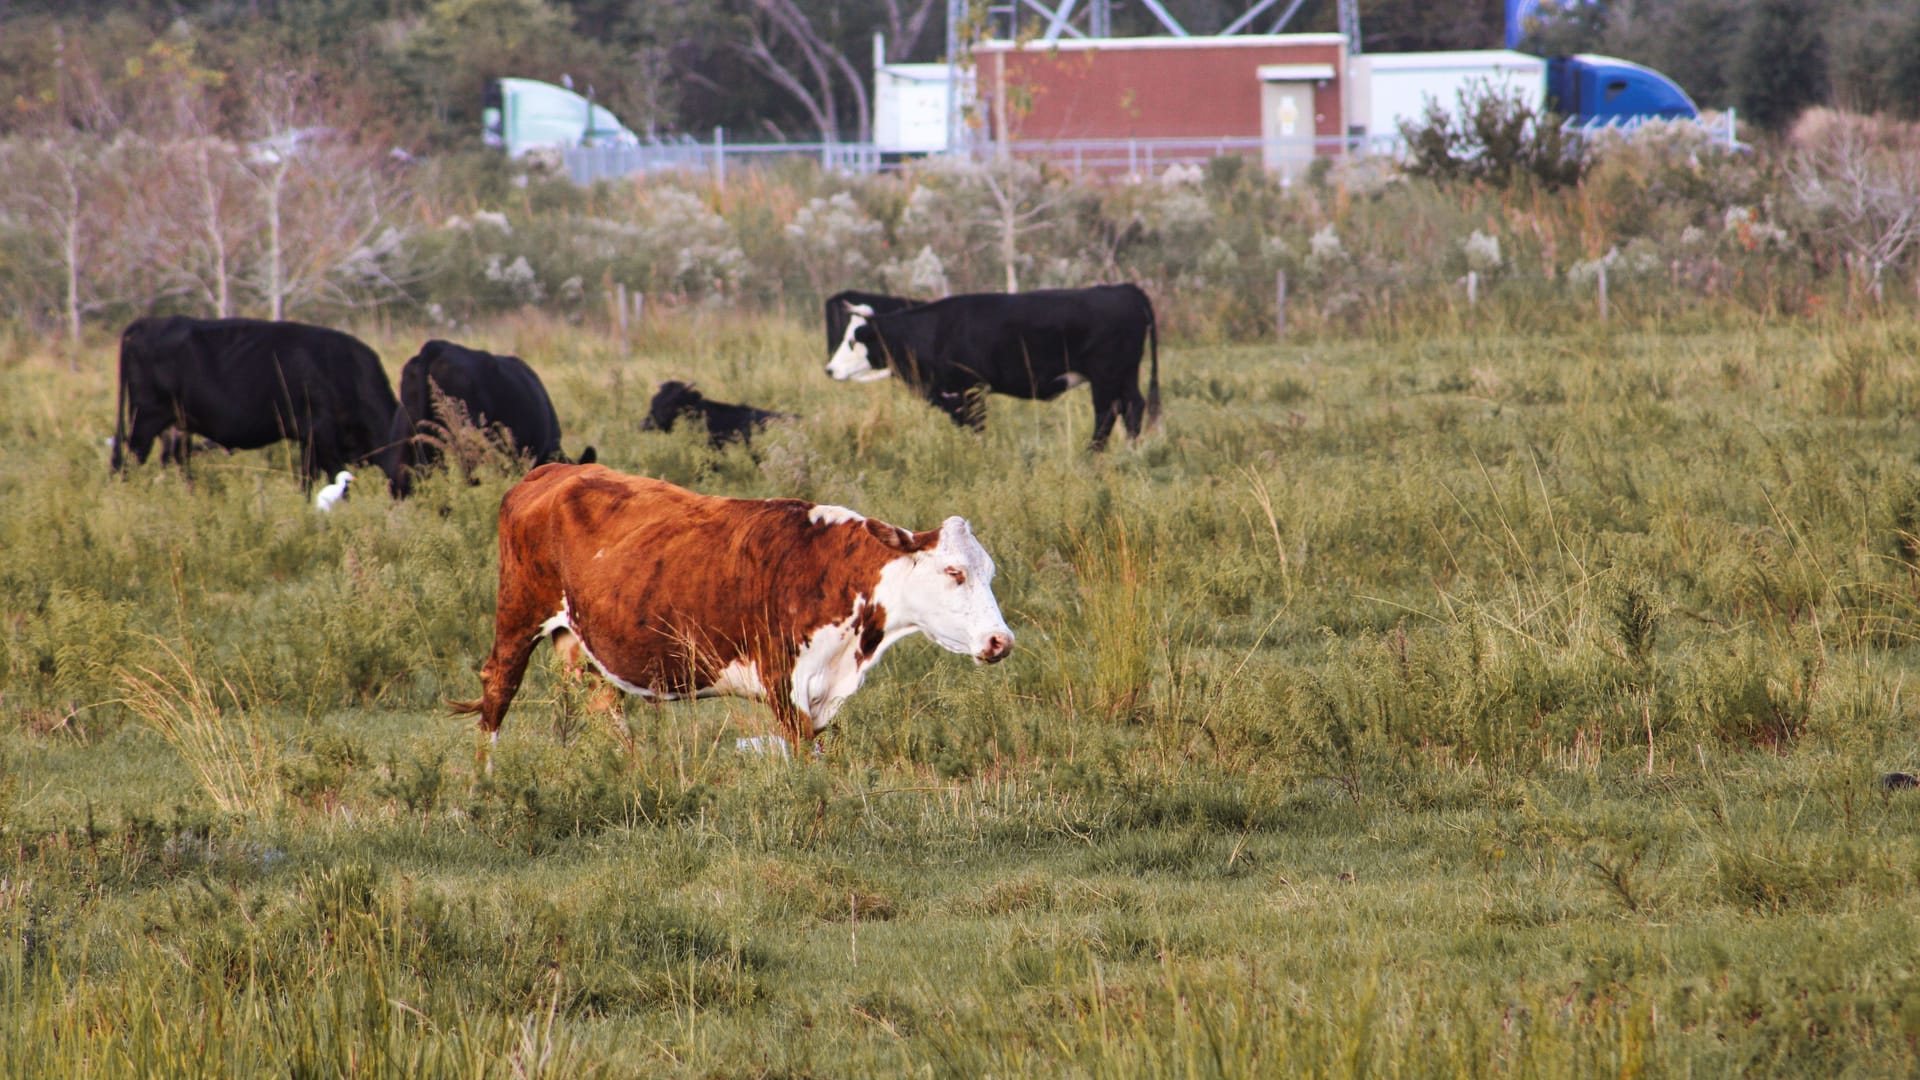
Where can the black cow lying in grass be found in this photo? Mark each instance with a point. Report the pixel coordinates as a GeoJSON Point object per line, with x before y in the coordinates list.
{"type": "Point", "coordinates": [676, 400]}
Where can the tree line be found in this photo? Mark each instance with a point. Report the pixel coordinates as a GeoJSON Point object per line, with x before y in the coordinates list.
{"type": "Point", "coordinates": [802, 69]}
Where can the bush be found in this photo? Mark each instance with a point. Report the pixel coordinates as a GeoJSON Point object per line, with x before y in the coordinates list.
{"type": "Point", "coordinates": [1494, 137]}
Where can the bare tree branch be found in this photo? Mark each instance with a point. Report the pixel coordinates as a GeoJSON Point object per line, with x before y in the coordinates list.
{"type": "Point", "coordinates": [789, 28]}
{"type": "Point", "coordinates": [904, 26]}
{"type": "Point", "coordinates": [324, 199]}
{"type": "Point", "coordinates": [1858, 179]}
{"type": "Point", "coordinates": [759, 50]}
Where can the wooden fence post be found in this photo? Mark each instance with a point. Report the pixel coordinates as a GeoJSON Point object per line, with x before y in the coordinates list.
{"type": "Point", "coordinates": [1280, 303]}
{"type": "Point", "coordinates": [1601, 282]}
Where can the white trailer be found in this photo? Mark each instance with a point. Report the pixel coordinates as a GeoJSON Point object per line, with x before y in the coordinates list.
{"type": "Point", "coordinates": [1389, 88]}
{"type": "Point", "coordinates": [912, 104]}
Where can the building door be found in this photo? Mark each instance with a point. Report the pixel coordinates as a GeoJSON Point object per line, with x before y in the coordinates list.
{"type": "Point", "coordinates": [1286, 127]}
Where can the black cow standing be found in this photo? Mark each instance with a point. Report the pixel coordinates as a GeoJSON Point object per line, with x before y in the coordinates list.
{"type": "Point", "coordinates": [248, 383]}
{"type": "Point", "coordinates": [877, 303]}
{"type": "Point", "coordinates": [676, 400]}
{"type": "Point", "coordinates": [496, 391]}
{"type": "Point", "coordinates": [1033, 345]}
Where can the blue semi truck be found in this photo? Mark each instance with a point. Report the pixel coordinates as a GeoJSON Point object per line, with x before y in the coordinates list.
{"type": "Point", "coordinates": [1588, 90]}
{"type": "Point", "coordinates": [1601, 91]}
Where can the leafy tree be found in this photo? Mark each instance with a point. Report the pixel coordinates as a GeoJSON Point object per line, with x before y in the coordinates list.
{"type": "Point", "coordinates": [1902, 79]}
{"type": "Point", "coordinates": [1778, 63]}
{"type": "Point", "coordinates": [462, 44]}
{"type": "Point", "coordinates": [1666, 37]}
{"type": "Point", "coordinates": [1873, 57]}
{"type": "Point", "coordinates": [1421, 26]}
{"type": "Point", "coordinates": [1569, 26]}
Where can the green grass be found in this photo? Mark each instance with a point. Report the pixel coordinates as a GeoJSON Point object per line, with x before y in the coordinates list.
{"type": "Point", "coordinates": [1480, 703]}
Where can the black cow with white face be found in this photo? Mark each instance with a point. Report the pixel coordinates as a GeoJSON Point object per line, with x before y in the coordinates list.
{"type": "Point", "coordinates": [248, 383]}
{"type": "Point", "coordinates": [1035, 345]}
{"type": "Point", "coordinates": [840, 303]}
{"type": "Point", "coordinates": [725, 423]}
{"type": "Point", "coordinates": [494, 390]}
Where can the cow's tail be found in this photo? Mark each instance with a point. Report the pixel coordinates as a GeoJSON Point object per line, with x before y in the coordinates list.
{"type": "Point", "coordinates": [1153, 371]}
{"type": "Point", "coordinates": [120, 409]}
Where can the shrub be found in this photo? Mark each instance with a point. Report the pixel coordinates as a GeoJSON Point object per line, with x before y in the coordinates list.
{"type": "Point", "coordinates": [1495, 137]}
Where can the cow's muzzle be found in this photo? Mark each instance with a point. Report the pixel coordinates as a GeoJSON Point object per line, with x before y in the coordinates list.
{"type": "Point", "coordinates": [996, 650]}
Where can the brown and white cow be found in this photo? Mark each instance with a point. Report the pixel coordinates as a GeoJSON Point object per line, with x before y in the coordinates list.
{"type": "Point", "coordinates": [671, 594]}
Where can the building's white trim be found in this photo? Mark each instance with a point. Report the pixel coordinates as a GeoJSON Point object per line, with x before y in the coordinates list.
{"type": "Point", "coordinates": [1295, 72]}
{"type": "Point", "coordinates": [1234, 41]}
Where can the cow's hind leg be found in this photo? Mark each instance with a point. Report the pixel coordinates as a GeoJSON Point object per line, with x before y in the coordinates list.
{"type": "Point", "coordinates": [1136, 410]}
{"type": "Point", "coordinates": [1106, 409]}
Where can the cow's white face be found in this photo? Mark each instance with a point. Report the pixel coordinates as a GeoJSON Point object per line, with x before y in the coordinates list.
{"type": "Point", "coordinates": [946, 592]}
{"type": "Point", "coordinates": [854, 358]}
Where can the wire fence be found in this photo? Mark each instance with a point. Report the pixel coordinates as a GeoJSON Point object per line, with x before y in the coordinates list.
{"type": "Point", "coordinates": [1126, 156]}
{"type": "Point", "coordinates": [587, 164]}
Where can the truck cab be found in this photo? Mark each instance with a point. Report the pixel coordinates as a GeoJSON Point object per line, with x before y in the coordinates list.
{"type": "Point", "coordinates": [1602, 91]}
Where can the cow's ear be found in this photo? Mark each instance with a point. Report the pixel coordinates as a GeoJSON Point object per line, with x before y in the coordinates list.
{"type": "Point", "coordinates": [893, 536]}
{"type": "Point", "coordinates": [900, 539]}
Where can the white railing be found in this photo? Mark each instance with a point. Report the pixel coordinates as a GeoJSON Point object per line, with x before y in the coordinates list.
{"type": "Point", "coordinates": [586, 164]}
{"type": "Point", "coordinates": [1125, 156]}
{"type": "Point", "coordinates": [1134, 156]}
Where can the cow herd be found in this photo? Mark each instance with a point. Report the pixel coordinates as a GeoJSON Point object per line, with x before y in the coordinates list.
{"type": "Point", "coordinates": [242, 384]}
{"type": "Point", "coordinates": [666, 593]}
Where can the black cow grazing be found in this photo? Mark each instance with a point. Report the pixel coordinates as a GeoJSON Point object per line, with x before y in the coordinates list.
{"type": "Point", "coordinates": [247, 383]}
{"type": "Point", "coordinates": [725, 423]}
{"type": "Point", "coordinates": [496, 390]}
{"type": "Point", "coordinates": [875, 303]}
{"type": "Point", "coordinates": [1031, 345]}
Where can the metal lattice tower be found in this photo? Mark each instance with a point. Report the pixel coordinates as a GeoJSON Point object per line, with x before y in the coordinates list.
{"type": "Point", "coordinates": [1058, 19]}
{"type": "Point", "coordinates": [1349, 11]}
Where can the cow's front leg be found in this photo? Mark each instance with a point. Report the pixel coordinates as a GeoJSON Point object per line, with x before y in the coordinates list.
{"type": "Point", "coordinates": [514, 638]}
{"type": "Point", "coordinates": [141, 433]}
{"type": "Point", "coordinates": [966, 408]}
{"type": "Point", "coordinates": [792, 725]}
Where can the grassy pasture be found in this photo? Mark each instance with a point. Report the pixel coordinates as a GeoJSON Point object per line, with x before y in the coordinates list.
{"type": "Point", "coordinates": [1484, 703]}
